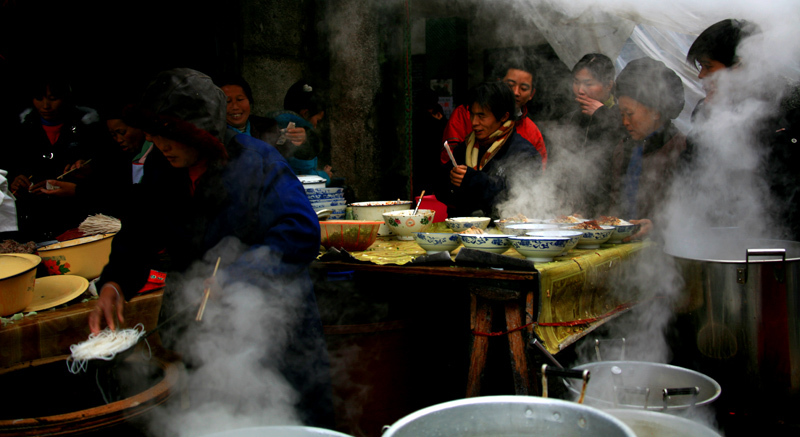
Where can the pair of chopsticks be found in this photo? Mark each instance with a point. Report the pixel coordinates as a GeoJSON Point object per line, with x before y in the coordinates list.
{"type": "Point", "coordinates": [206, 293]}
{"type": "Point", "coordinates": [14, 193]}
{"type": "Point", "coordinates": [84, 165]}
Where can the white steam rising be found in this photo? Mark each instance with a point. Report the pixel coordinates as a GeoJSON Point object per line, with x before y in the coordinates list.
{"type": "Point", "coordinates": [235, 353]}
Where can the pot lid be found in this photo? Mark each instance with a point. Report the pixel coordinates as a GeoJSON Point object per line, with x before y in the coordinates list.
{"type": "Point", "coordinates": [311, 179]}
{"type": "Point", "coordinates": [733, 251]}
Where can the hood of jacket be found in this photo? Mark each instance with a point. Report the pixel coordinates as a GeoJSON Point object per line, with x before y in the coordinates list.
{"type": "Point", "coordinates": [185, 105]}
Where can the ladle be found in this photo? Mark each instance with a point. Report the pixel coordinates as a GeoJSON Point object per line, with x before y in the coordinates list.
{"type": "Point", "coordinates": [323, 214]}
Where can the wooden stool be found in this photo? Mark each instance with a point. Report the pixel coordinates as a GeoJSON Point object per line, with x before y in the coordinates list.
{"type": "Point", "coordinates": [516, 303]}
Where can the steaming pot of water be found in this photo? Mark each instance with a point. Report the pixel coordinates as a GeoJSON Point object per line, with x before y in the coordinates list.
{"type": "Point", "coordinates": [651, 424]}
{"type": "Point", "coordinates": [645, 386]}
{"type": "Point", "coordinates": [508, 416]}
{"type": "Point", "coordinates": [740, 316]}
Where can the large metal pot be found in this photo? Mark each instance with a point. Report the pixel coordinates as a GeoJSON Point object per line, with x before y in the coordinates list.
{"type": "Point", "coordinates": [741, 296]}
{"type": "Point", "coordinates": [645, 386]}
{"type": "Point", "coordinates": [279, 431]}
{"type": "Point", "coordinates": [651, 424]}
{"type": "Point", "coordinates": [508, 416]}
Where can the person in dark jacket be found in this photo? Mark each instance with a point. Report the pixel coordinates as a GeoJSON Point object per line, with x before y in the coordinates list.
{"type": "Point", "coordinates": [587, 137]}
{"type": "Point", "coordinates": [492, 153]}
{"type": "Point", "coordinates": [240, 201]}
{"type": "Point", "coordinates": [53, 136]}
{"type": "Point", "coordinates": [644, 162]}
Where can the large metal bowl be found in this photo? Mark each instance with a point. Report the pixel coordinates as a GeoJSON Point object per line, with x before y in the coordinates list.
{"type": "Point", "coordinates": [624, 384]}
{"type": "Point", "coordinates": [508, 416]}
{"type": "Point", "coordinates": [17, 279]}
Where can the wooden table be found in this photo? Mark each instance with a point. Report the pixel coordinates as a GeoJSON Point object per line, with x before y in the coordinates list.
{"type": "Point", "coordinates": [555, 293]}
{"type": "Point", "coordinates": [51, 332]}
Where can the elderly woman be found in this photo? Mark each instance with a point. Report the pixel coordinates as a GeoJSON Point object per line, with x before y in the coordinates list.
{"type": "Point", "coordinates": [238, 201]}
{"type": "Point", "coordinates": [650, 97]}
{"type": "Point", "coordinates": [489, 158]}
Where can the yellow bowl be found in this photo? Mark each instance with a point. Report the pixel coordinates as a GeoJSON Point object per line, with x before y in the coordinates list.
{"type": "Point", "coordinates": [82, 256]}
{"type": "Point", "coordinates": [17, 277]}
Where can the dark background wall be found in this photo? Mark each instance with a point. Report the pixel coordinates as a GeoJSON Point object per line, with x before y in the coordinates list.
{"type": "Point", "coordinates": [363, 53]}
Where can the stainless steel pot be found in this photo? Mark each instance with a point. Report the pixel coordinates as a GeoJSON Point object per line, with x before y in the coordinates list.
{"type": "Point", "coordinates": [646, 386]}
{"type": "Point", "coordinates": [742, 296]}
{"type": "Point", "coordinates": [652, 424]}
{"type": "Point", "coordinates": [508, 416]}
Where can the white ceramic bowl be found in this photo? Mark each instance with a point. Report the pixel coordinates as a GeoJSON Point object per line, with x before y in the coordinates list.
{"type": "Point", "coordinates": [435, 242]}
{"type": "Point", "coordinates": [573, 236]}
{"type": "Point", "coordinates": [520, 229]}
{"type": "Point", "coordinates": [312, 181]}
{"type": "Point", "coordinates": [540, 249]}
{"type": "Point", "coordinates": [405, 223]}
{"type": "Point", "coordinates": [461, 224]}
{"type": "Point", "coordinates": [375, 210]}
{"type": "Point", "coordinates": [492, 243]}
{"type": "Point", "coordinates": [592, 238]}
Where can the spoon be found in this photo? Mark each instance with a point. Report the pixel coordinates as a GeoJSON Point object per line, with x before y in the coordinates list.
{"type": "Point", "coordinates": [419, 202]}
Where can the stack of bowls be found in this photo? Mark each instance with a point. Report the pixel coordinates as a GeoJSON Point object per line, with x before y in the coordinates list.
{"type": "Point", "coordinates": [328, 198]}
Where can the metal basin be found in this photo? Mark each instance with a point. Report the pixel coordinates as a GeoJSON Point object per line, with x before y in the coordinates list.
{"type": "Point", "coordinates": [635, 384]}
{"type": "Point", "coordinates": [507, 416]}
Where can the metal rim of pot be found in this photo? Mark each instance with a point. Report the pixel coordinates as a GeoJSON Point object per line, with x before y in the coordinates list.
{"type": "Point", "coordinates": [458, 417]}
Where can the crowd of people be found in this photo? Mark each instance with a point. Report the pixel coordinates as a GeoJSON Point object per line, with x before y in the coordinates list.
{"type": "Point", "coordinates": [190, 148]}
{"type": "Point", "coordinates": [622, 127]}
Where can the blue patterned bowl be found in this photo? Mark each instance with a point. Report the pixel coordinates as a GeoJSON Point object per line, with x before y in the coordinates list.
{"type": "Point", "coordinates": [520, 229]}
{"type": "Point", "coordinates": [540, 249]}
{"type": "Point", "coordinates": [435, 242]}
{"type": "Point", "coordinates": [573, 236]}
{"type": "Point", "coordinates": [620, 232]}
{"type": "Point", "coordinates": [492, 243]}
{"type": "Point", "coordinates": [461, 224]}
{"type": "Point", "coordinates": [592, 238]}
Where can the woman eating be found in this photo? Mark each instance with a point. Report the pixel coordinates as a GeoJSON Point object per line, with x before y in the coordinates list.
{"type": "Point", "coordinates": [489, 158]}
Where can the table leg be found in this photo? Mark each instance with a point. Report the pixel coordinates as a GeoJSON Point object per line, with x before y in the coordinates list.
{"type": "Point", "coordinates": [516, 346]}
{"type": "Point", "coordinates": [480, 321]}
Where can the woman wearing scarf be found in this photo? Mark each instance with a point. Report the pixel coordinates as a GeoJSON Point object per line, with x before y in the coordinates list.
{"type": "Point", "coordinates": [650, 97]}
{"type": "Point", "coordinates": [492, 154]}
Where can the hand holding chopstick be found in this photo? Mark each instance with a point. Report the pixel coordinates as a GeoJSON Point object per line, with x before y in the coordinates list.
{"type": "Point", "coordinates": [76, 168]}
{"type": "Point", "coordinates": [206, 294]}
{"type": "Point", "coordinates": [450, 154]}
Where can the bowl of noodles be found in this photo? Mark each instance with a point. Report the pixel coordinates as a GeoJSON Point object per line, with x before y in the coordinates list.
{"type": "Point", "coordinates": [84, 256]}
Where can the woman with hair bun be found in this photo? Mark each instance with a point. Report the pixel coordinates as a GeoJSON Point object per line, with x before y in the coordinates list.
{"type": "Point", "coordinates": [650, 97]}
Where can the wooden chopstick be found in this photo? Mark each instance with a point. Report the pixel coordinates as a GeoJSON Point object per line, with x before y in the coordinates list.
{"type": "Point", "coordinates": [84, 164]}
{"type": "Point", "coordinates": [206, 293]}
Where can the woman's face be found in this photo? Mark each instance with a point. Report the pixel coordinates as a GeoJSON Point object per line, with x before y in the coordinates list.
{"type": "Point", "coordinates": [129, 138]}
{"type": "Point", "coordinates": [639, 120]}
{"type": "Point", "coordinates": [48, 106]}
{"type": "Point", "coordinates": [585, 84]}
{"type": "Point", "coordinates": [238, 106]}
{"type": "Point", "coordinates": [178, 154]}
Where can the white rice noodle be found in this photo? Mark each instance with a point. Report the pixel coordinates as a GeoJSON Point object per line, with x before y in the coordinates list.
{"type": "Point", "coordinates": [103, 346]}
{"type": "Point", "coordinates": [100, 224]}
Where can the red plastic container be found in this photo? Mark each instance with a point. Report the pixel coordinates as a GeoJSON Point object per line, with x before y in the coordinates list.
{"type": "Point", "coordinates": [430, 202]}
